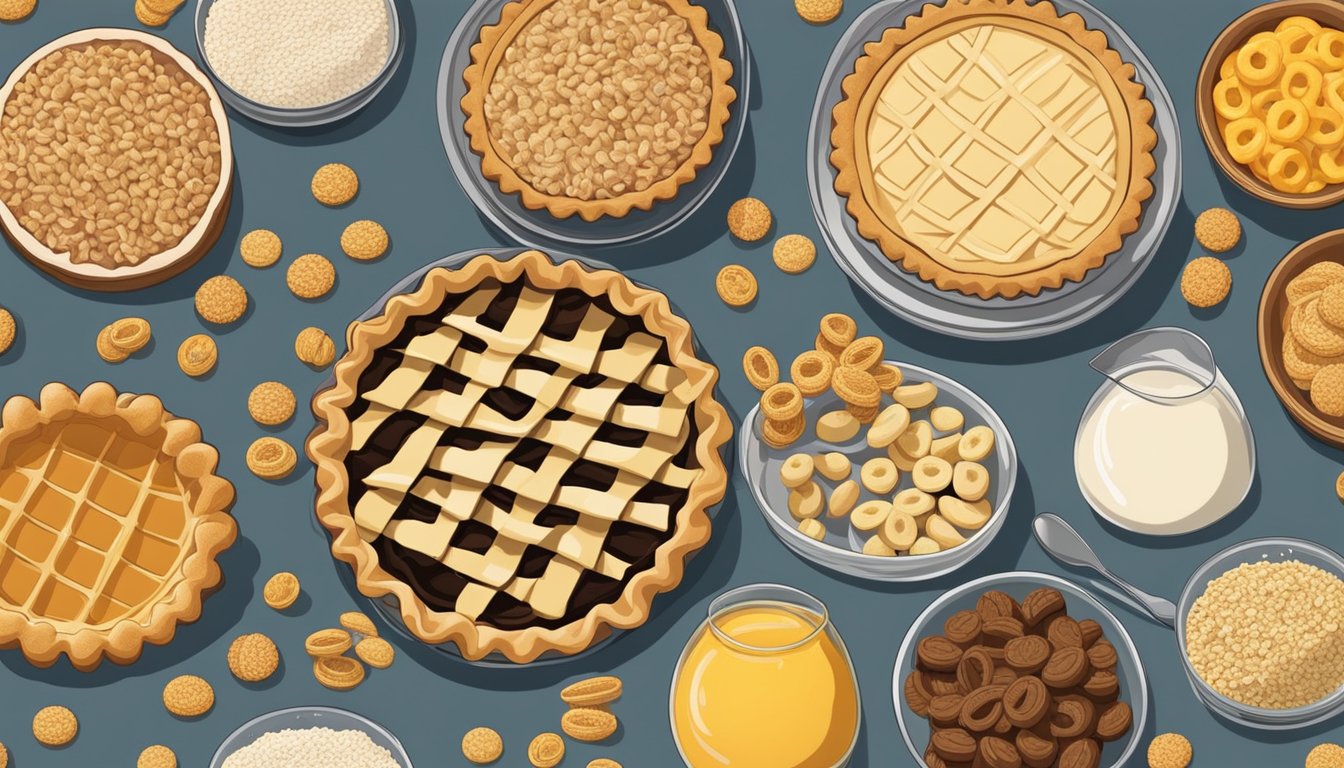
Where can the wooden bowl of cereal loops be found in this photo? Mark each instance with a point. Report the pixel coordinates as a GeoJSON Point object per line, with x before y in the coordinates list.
{"type": "Point", "coordinates": [73, 209]}
{"type": "Point", "coordinates": [1269, 101]}
{"type": "Point", "coordinates": [1292, 675]}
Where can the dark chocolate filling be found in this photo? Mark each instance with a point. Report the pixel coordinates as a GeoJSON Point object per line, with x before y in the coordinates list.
{"type": "Point", "coordinates": [433, 582]}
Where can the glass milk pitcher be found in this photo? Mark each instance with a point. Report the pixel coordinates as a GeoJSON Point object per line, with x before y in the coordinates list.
{"type": "Point", "coordinates": [1164, 446]}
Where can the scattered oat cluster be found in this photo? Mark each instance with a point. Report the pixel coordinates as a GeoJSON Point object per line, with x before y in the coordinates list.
{"type": "Point", "coordinates": [312, 748]}
{"type": "Point", "coordinates": [1270, 634]}
{"type": "Point", "coordinates": [298, 53]}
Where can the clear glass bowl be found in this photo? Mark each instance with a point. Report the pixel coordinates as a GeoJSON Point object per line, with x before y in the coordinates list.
{"type": "Point", "coordinates": [842, 549]}
{"type": "Point", "coordinates": [1274, 550]}
{"type": "Point", "coordinates": [1082, 605]}
{"type": "Point", "coordinates": [309, 717]}
{"type": "Point", "coordinates": [305, 117]}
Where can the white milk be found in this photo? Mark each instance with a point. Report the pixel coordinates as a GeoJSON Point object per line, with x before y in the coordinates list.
{"type": "Point", "coordinates": [1166, 466]}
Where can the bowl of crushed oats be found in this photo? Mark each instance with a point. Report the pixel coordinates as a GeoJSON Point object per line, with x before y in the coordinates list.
{"type": "Point", "coordinates": [1261, 631]}
{"type": "Point", "coordinates": [311, 737]}
{"type": "Point", "coordinates": [299, 63]}
{"type": "Point", "coordinates": [124, 156]}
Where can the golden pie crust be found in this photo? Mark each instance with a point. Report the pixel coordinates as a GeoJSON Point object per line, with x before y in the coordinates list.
{"type": "Point", "coordinates": [354, 530]}
{"type": "Point", "coordinates": [1020, 161]}
{"type": "Point", "coordinates": [488, 54]}
{"type": "Point", "coordinates": [111, 520]}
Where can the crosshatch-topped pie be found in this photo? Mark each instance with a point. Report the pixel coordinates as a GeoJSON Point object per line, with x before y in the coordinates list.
{"type": "Point", "coordinates": [111, 519]}
{"type": "Point", "coordinates": [594, 107]}
{"type": "Point", "coordinates": [994, 147]}
{"type": "Point", "coordinates": [522, 453]}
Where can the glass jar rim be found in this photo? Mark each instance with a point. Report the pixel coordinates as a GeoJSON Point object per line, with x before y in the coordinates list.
{"type": "Point", "coordinates": [777, 595]}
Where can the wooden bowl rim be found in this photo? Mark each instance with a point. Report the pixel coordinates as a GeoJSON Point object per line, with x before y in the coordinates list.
{"type": "Point", "coordinates": [167, 263]}
{"type": "Point", "coordinates": [1269, 315]}
{"type": "Point", "coordinates": [1235, 34]}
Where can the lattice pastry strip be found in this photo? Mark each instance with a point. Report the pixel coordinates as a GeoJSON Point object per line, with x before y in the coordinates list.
{"type": "Point", "coordinates": [579, 353]}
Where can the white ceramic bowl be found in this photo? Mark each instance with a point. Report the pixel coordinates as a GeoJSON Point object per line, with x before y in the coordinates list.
{"type": "Point", "coordinates": [842, 549]}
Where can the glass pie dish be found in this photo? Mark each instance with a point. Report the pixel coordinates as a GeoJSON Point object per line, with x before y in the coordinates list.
{"type": "Point", "coordinates": [842, 548]}
{"type": "Point", "coordinates": [1081, 605]}
{"type": "Point", "coordinates": [300, 718]}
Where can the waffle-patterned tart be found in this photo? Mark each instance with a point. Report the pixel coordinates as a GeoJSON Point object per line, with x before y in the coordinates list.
{"type": "Point", "coordinates": [994, 147]}
{"type": "Point", "coordinates": [111, 519]}
{"type": "Point", "coordinates": [522, 453]}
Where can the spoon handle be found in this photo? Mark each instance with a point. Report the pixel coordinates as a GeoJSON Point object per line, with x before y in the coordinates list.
{"type": "Point", "coordinates": [1063, 543]}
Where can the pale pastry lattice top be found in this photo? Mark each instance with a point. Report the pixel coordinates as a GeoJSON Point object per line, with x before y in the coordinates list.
{"type": "Point", "coordinates": [93, 525]}
{"type": "Point", "coordinates": [995, 150]}
{"type": "Point", "coordinates": [520, 414]}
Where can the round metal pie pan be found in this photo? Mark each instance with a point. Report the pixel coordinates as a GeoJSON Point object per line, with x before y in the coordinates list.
{"type": "Point", "coordinates": [951, 312]}
{"type": "Point", "coordinates": [539, 228]}
{"type": "Point", "coordinates": [388, 606]}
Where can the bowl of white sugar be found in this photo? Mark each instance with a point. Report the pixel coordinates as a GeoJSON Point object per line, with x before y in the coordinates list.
{"type": "Point", "coordinates": [311, 737]}
{"type": "Point", "coordinates": [299, 63]}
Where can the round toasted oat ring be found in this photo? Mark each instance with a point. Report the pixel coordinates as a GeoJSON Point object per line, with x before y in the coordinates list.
{"type": "Point", "coordinates": [782, 402]}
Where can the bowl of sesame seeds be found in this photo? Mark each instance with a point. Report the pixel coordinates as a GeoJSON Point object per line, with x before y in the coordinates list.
{"type": "Point", "coordinates": [299, 63]}
{"type": "Point", "coordinates": [311, 737]}
{"type": "Point", "coordinates": [1261, 631]}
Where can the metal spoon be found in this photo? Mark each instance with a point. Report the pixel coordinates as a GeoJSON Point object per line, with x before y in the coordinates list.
{"type": "Point", "coordinates": [1064, 544]}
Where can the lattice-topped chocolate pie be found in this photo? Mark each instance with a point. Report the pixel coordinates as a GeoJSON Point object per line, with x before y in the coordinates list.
{"type": "Point", "coordinates": [522, 453]}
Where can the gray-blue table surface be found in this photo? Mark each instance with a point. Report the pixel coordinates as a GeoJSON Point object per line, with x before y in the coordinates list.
{"type": "Point", "coordinates": [1040, 388]}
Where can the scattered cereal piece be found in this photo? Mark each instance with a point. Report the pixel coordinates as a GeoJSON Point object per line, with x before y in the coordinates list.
{"type": "Point", "coordinates": [339, 673]}
{"type": "Point", "coordinates": [188, 696]}
{"type": "Point", "coordinates": [311, 276]}
{"type": "Point", "coordinates": [736, 285]}
{"type": "Point", "coordinates": [106, 349]}
{"type": "Point", "coordinates": [271, 458]}
{"type": "Point", "coordinates": [4, 757]}
{"type": "Point", "coordinates": [16, 10]}
{"type": "Point", "coordinates": [221, 300]}
{"type": "Point", "coordinates": [149, 17]}
{"type": "Point", "coordinates": [157, 756]}
{"type": "Point", "coordinates": [271, 403]}
{"type": "Point", "coordinates": [130, 334]}
{"type": "Point", "coordinates": [546, 750]}
{"type": "Point", "coordinates": [328, 642]}
{"type": "Point", "coordinates": [55, 726]}
{"type": "Point", "coordinates": [818, 11]}
{"type": "Point", "coordinates": [1206, 281]}
{"type": "Point", "coordinates": [260, 248]}
{"type": "Point", "coordinates": [1339, 486]}
{"type": "Point", "coordinates": [585, 724]}
{"type": "Point", "coordinates": [364, 240]}
{"type": "Point", "coordinates": [761, 368]}
{"type": "Point", "coordinates": [314, 347]}
{"type": "Point", "coordinates": [197, 355]}
{"type": "Point", "coordinates": [1170, 750]}
{"type": "Point", "coordinates": [1218, 229]}
{"type": "Point", "coordinates": [281, 590]}
{"type": "Point", "coordinates": [8, 330]}
{"type": "Point", "coordinates": [592, 691]}
{"type": "Point", "coordinates": [335, 184]}
{"type": "Point", "coordinates": [1325, 756]}
{"type": "Point", "coordinates": [482, 745]}
{"type": "Point", "coordinates": [749, 219]}
{"type": "Point", "coordinates": [1327, 390]}
{"type": "Point", "coordinates": [253, 657]}
{"type": "Point", "coordinates": [794, 253]}
{"type": "Point", "coordinates": [812, 371]}
{"type": "Point", "coordinates": [376, 652]}
{"type": "Point", "coordinates": [358, 623]}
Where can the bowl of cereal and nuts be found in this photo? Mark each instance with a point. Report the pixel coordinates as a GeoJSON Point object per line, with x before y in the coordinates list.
{"type": "Point", "coordinates": [128, 158]}
{"type": "Point", "coordinates": [1261, 631]}
{"type": "Point", "coordinates": [1019, 668]}
{"type": "Point", "coordinates": [873, 468]}
{"type": "Point", "coordinates": [300, 737]}
{"type": "Point", "coordinates": [299, 63]}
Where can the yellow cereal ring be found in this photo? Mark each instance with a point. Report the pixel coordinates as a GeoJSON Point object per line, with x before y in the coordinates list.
{"type": "Point", "coordinates": [1313, 186]}
{"type": "Point", "coordinates": [1260, 60]}
{"type": "Point", "coordinates": [1289, 170]}
{"type": "Point", "coordinates": [1245, 139]}
{"type": "Point", "coordinates": [1231, 99]}
{"type": "Point", "coordinates": [1327, 128]}
{"type": "Point", "coordinates": [1263, 101]}
{"type": "Point", "coordinates": [1297, 42]}
{"type": "Point", "coordinates": [1301, 22]}
{"type": "Point", "coordinates": [1330, 47]}
{"type": "Point", "coordinates": [1333, 92]}
{"type": "Point", "coordinates": [1261, 163]}
{"type": "Point", "coordinates": [1229, 66]}
{"type": "Point", "coordinates": [1330, 164]}
{"type": "Point", "coordinates": [1288, 121]}
{"type": "Point", "coordinates": [1302, 81]}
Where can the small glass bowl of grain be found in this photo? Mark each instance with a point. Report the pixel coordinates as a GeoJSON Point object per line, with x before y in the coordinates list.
{"type": "Point", "coordinates": [303, 718]}
{"type": "Point", "coordinates": [1272, 550]}
{"type": "Point", "coordinates": [306, 116]}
